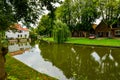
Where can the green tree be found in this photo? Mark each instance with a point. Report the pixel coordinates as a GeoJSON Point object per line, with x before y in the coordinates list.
{"type": "Point", "coordinates": [110, 12]}
{"type": "Point", "coordinates": [60, 32]}
{"type": "Point", "coordinates": [33, 33]}
{"type": "Point", "coordinates": [49, 4]}
{"type": "Point", "coordinates": [12, 11]}
{"type": "Point", "coordinates": [26, 11]}
{"type": "Point", "coordinates": [78, 14]}
{"type": "Point", "coordinates": [44, 27]}
{"type": "Point", "coordinates": [64, 13]}
{"type": "Point", "coordinates": [88, 14]}
{"type": "Point", "coordinates": [6, 15]}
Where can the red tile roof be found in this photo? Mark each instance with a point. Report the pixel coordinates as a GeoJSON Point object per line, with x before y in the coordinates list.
{"type": "Point", "coordinates": [18, 27]}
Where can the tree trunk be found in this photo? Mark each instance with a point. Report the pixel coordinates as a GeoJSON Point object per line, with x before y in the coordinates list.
{"type": "Point", "coordinates": [3, 52]}
{"type": "Point", "coordinates": [110, 34]}
{"type": "Point", "coordinates": [85, 34]}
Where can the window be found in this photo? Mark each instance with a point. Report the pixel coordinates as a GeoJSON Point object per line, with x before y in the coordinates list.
{"type": "Point", "coordinates": [18, 36]}
{"type": "Point", "coordinates": [117, 32]}
{"type": "Point", "coordinates": [21, 36]}
{"type": "Point", "coordinates": [107, 34]}
{"type": "Point", "coordinates": [25, 35]}
{"type": "Point", "coordinates": [100, 34]}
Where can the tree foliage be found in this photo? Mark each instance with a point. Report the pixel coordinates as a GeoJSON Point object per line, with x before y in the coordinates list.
{"type": "Point", "coordinates": [6, 15]}
{"type": "Point", "coordinates": [44, 27]}
{"type": "Point", "coordinates": [78, 12]}
{"type": "Point", "coordinates": [12, 11]}
{"type": "Point", "coordinates": [88, 14]}
{"type": "Point", "coordinates": [60, 32]}
{"type": "Point", "coordinates": [50, 6]}
{"type": "Point", "coordinates": [26, 11]}
{"type": "Point", "coordinates": [64, 13]}
{"type": "Point", "coordinates": [109, 10]}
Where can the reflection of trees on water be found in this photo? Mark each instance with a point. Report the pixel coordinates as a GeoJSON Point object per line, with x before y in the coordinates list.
{"type": "Point", "coordinates": [83, 62]}
{"type": "Point", "coordinates": [108, 68]}
{"type": "Point", "coordinates": [3, 52]}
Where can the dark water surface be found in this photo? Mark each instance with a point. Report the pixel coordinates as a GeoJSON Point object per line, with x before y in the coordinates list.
{"type": "Point", "coordinates": [71, 62]}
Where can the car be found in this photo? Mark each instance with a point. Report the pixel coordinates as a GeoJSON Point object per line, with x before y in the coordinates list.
{"type": "Point", "coordinates": [92, 36]}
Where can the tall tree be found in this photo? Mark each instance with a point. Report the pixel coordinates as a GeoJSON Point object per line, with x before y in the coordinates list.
{"type": "Point", "coordinates": [64, 13]}
{"type": "Point", "coordinates": [27, 11]}
{"type": "Point", "coordinates": [44, 27]}
{"type": "Point", "coordinates": [89, 14]}
{"type": "Point", "coordinates": [109, 10]}
{"type": "Point", "coordinates": [78, 14]}
{"type": "Point", "coordinates": [12, 11]}
{"type": "Point", "coordinates": [6, 15]}
{"type": "Point", "coordinates": [49, 4]}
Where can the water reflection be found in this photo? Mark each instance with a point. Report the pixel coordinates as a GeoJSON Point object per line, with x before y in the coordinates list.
{"type": "Point", "coordinates": [34, 60]}
{"type": "Point", "coordinates": [83, 62]}
{"type": "Point", "coordinates": [73, 62]}
{"type": "Point", "coordinates": [18, 48]}
{"type": "Point", "coordinates": [3, 52]}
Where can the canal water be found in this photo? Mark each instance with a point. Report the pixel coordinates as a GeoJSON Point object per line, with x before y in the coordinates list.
{"type": "Point", "coordinates": [68, 61]}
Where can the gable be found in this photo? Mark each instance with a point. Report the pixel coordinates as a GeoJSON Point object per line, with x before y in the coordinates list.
{"type": "Point", "coordinates": [102, 27]}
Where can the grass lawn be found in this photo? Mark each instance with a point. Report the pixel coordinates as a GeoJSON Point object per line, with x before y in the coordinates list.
{"type": "Point", "coordinates": [48, 39]}
{"type": "Point", "coordinates": [18, 71]}
{"type": "Point", "coordinates": [87, 41]}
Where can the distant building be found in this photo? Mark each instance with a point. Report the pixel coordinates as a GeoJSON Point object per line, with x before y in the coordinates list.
{"type": "Point", "coordinates": [104, 30]}
{"type": "Point", "coordinates": [101, 29]}
{"type": "Point", "coordinates": [17, 31]}
{"type": "Point", "coordinates": [115, 29]}
{"type": "Point", "coordinates": [76, 33]}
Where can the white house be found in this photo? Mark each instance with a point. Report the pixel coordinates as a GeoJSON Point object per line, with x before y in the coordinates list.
{"type": "Point", "coordinates": [19, 32]}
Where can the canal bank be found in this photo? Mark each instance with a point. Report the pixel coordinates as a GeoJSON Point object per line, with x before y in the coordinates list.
{"type": "Point", "coordinates": [101, 42]}
{"type": "Point", "coordinates": [17, 70]}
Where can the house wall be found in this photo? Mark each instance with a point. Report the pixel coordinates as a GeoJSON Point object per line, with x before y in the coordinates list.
{"type": "Point", "coordinates": [116, 32]}
{"type": "Point", "coordinates": [22, 34]}
{"type": "Point", "coordinates": [77, 34]}
{"type": "Point", "coordinates": [102, 30]}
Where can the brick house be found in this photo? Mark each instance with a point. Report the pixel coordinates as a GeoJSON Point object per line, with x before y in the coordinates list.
{"type": "Point", "coordinates": [104, 30]}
